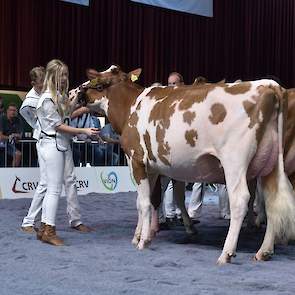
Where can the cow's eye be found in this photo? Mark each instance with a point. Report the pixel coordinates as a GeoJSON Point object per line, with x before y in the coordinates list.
{"type": "Point", "coordinates": [99, 87]}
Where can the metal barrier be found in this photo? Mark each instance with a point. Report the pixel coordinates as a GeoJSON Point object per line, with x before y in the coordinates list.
{"type": "Point", "coordinates": [85, 153]}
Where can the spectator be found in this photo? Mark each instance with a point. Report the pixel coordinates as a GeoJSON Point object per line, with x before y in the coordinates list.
{"type": "Point", "coordinates": [172, 212]}
{"type": "Point", "coordinates": [98, 153]}
{"type": "Point", "coordinates": [11, 129]}
{"type": "Point", "coordinates": [1, 106]}
{"type": "Point", "coordinates": [175, 79]}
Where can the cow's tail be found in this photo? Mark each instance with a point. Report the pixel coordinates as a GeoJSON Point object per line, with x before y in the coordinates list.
{"type": "Point", "coordinates": [278, 191]}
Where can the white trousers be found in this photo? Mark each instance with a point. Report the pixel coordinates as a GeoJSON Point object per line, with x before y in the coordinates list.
{"type": "Point", "coordinates": [197, 196]}
{"type": "Point", "coordinates": [170, 207]}
{"type": "Point", "coordinates": [68, 179]}
{"type": "Point", "coordinates": [196, 201]}
{"type": "Point", "coordinates": [223, 201]}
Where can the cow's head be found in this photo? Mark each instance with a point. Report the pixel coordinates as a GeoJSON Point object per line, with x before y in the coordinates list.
{"type": "Point", "coordinates": [101, 82]}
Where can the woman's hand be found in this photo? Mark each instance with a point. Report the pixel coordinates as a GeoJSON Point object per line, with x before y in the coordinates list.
{"type": "Point", "coordinates": [91, 132]}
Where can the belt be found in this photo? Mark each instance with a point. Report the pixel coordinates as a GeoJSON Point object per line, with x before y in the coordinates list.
{"type": "Point", "coordinates": [47, 135]}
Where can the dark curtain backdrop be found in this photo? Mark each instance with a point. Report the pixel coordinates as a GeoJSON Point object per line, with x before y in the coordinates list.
{"type": "Point", "coordinates": [245, 39]}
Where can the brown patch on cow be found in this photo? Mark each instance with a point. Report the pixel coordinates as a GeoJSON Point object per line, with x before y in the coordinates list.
{"type": "Point", "coordinates": [196, 94]}
{"type": "Point", "coordinates": [130, 142]}
{"type": "Point", "coordinates": [187, 95]}
{"type": "Point", "coordinates": [133, 119]}
{"type": "Point", "coordinates": [139, 172]}
{"type": "Point", "coordinates": [188, 117]}
{"type": "Point", "coordinates": [240, 88]}
{"type": "Point", "coordinates": [265, 106]}
{"type": "Point", "coordinates": [163, 147]}
{"type": "Point", "coordinates": [191, 136]}
{"type": "Point", "coordinates": [160, 115]}
{"type": "Point", "coordinates": [218, 113]}
{"type": "Point", "coordinates": [158, 93]}
{"type": "Point", "coordinates": [138, 107]}
{"type": "Point", "coordinates": [147, 141]}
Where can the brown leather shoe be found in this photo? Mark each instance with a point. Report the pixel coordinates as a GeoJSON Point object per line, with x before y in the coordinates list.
{"type": "Point", "coordinates": [40, 231]}
{"type": "Point", "coordinates": [49, 236]}
{"type": "Point", "coordinates": [83, 228]}
{"type": "Point", "coordinates": [28, 229]}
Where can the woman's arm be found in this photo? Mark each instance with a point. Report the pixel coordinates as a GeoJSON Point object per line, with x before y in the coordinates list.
{"type": "Point", "coordinates": [74, 131]}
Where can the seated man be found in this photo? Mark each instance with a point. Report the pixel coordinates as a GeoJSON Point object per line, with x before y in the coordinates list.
{"type": "Point", "coordinates": [95, 153]}
{"type": "Point", "coordinates": [11, 129]}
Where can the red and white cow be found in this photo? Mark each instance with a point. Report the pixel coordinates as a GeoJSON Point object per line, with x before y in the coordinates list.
{"type": "Point", "coordinates": [214, 133]}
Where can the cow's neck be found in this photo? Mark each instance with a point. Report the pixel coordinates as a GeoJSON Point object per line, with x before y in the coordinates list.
{"type": "Point", "coordinates": [121, 97]}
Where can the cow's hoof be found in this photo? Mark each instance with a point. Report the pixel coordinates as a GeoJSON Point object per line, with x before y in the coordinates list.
{"type": "Point", "coordinates": [225, 258]}
{"type": "Point", "coordinates": [143, 244]}
{"type": "Point", "coordinates": [262, 256]}
{"type": "Point", "coordinates": [135, 240]}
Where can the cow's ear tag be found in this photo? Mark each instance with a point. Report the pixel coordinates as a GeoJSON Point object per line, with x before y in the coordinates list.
{"type": "Point", "coordinates": [133, 78]}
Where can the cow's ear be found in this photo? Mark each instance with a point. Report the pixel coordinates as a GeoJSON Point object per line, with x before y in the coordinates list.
{"type": "Point", "coordinates": [91, 74]}
{"type": "Point", "coordinates": [133, 75]}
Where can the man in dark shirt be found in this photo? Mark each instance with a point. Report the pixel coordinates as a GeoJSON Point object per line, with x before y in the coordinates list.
{"type": "Point", "coordinates": [11, 129]}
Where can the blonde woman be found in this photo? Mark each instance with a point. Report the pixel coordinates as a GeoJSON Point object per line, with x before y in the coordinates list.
{"type": "Point", "coordinates": [54, 142]}
{"type": "Point", "coordinates": [28, 111]}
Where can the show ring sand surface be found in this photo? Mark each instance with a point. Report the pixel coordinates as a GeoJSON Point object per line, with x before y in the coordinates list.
{"type": "Point", "coordinates": [105, 262]}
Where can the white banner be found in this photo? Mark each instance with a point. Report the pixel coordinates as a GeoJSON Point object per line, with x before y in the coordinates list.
{"type": "Point", "coordinates": [22, 182]}
{"type": "Point", "coordinates": [200, 7]}
{"type": "Point", "coordinates": [80, 2]}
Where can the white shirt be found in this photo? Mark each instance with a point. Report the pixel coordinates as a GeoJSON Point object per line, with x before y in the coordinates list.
{"type": "Point", "coordinates": [28, 110]}
{"type": "Point", "coordinates": [47, 114]}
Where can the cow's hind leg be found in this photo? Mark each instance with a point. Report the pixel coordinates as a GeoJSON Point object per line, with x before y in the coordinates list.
{"type": "Point", "coordinates": [238, 199]}
{"type": "Point", "coordinates": [280, 211]}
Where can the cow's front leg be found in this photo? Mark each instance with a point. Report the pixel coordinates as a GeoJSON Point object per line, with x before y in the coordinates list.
{"type": "Point", "coordinates": [238, 199]}
{"type": "Point", "coordinates": [156, 202]}
{"type": "Point", "coordinates": [179, 197]}
{"type": "Point", "coordinates": [251, 226]}
{"type": "Point", "coordinates": [143, 190]}
{"type": "Point", "coordinates": [260, 205]}
{"type": "Point", "coordinates": [137, 234]}
{"type": "Point", "coordinates": [145, 185]}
